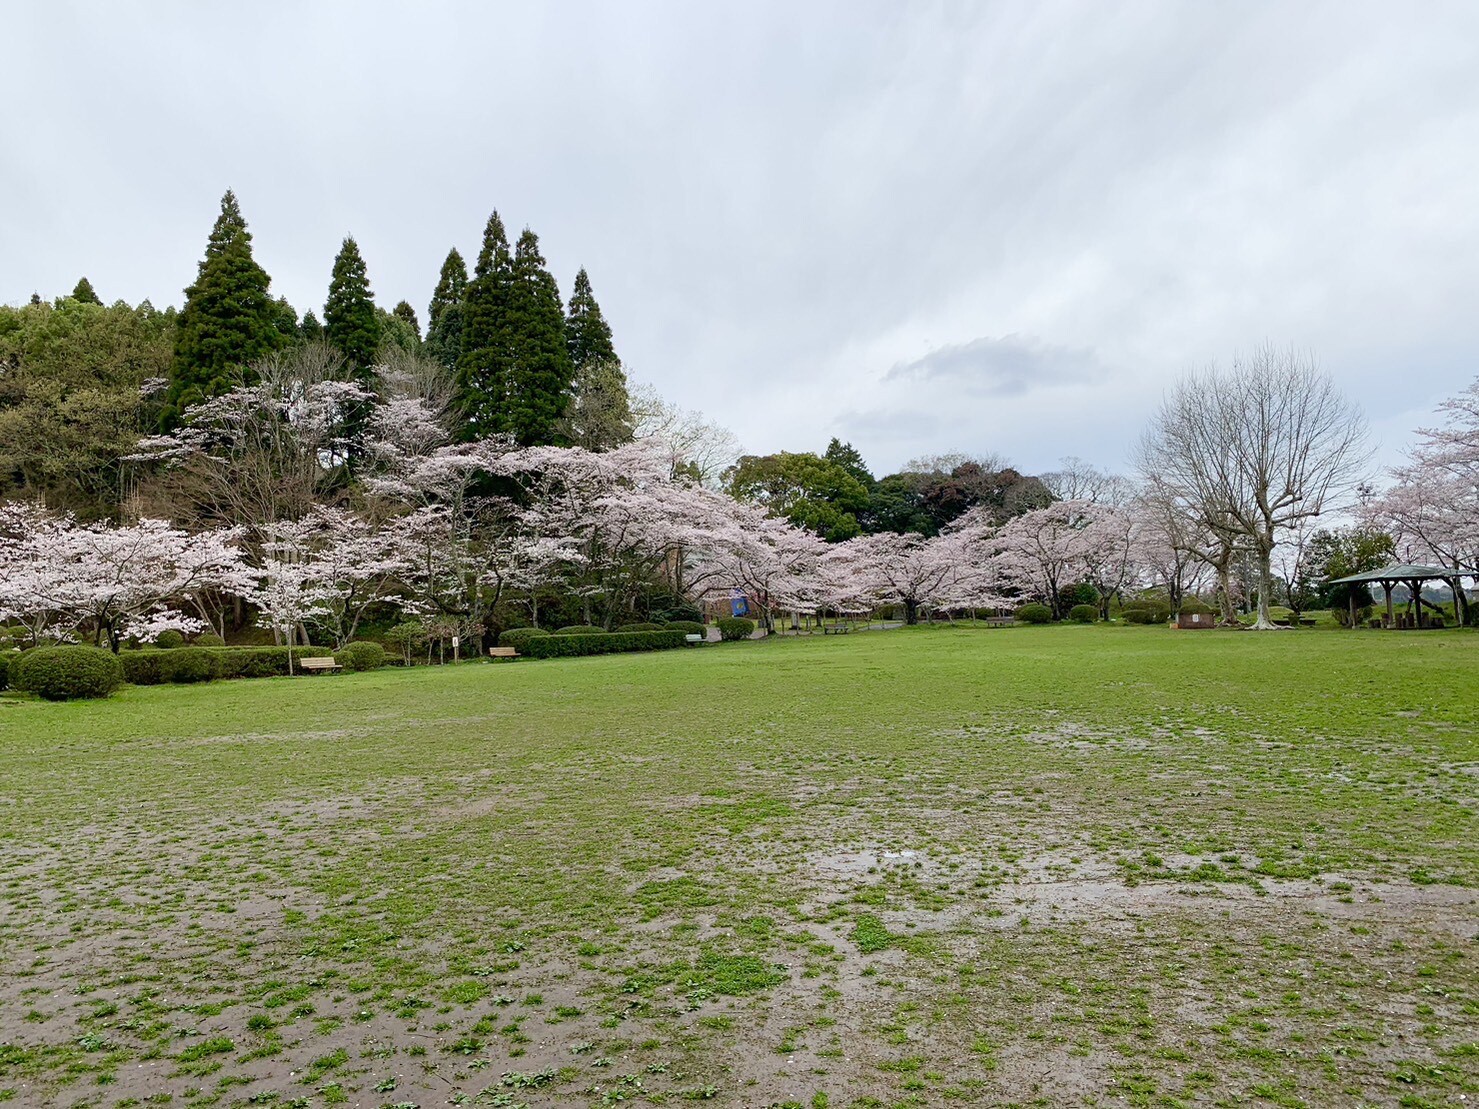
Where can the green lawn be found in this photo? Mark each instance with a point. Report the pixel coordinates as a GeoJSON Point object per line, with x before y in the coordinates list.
{"type": "Point", "coordinates": [1056, 866]}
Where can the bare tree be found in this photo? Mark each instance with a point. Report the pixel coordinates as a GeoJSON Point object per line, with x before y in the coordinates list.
{"type": "Point", "coordinates": [1078, 480]}
{"type": "Point", "coordinates": [701, 446]}
{"type": "Point", "coordinates": [1257, 450]}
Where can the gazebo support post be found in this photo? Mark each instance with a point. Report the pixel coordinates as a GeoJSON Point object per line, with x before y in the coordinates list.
{"type": "Point", "coordinates": [1386, 587]}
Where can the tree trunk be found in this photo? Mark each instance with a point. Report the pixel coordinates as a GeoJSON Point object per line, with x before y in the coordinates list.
{"type": "Point", "coordinates": [911, 611]}
{"type": "Point", "coordinates": [1265, 585]}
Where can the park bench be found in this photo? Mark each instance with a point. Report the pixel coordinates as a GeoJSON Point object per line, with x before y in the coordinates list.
{"type": "Point", "coordinates": [311, 665]}
{"type": "Point", "coordinates": [693, 637]}
{"type": "Point", "coordinates": [502, 652]}
{"type": "Point", "coordinates": [1000, 621]}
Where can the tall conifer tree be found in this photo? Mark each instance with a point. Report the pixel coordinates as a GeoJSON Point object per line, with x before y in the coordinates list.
{"type": "Point", "coordinates": [350, 323]}
{"type": "Point", "coordinates": [229, 319]}
{"type": "Point", "coordinates": [541, 376]}
{"type": "Point", "coordinates": [483, 365]}
{"type": "Point", "coordinates": [444, 314]}
{"type": "Point", "coordinates": [404, 312]}
{"type": "Point", "coordinates": [84, 292]}
{"type": "Point", "coordinates": [587, 333]}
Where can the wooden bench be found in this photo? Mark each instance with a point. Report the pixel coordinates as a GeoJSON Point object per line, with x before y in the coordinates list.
{"type": "Point", "coordinates": [502, 652]}
{"type": "Point", "coordinates": [310, 665]}
{"type": "Point", "coordinates": [693, 637]}
{"type": "Point", "coordinates": [1000, 621]}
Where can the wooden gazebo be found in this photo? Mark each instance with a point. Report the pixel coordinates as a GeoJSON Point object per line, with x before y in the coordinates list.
{"type": "Point", "coordinates": [1401, 573]}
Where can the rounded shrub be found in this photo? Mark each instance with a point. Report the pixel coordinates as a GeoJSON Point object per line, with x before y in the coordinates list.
{"type": "Point", "coordinates": [1083, 614]}
{"type": "Point", "coordinates": [67, 673]}
{"type": "Point", "coordinates": [579, 629]}
{"type": "Point", "coordinates": [687, 627]}
{"type": "Point", "coordinates": [1195, 605]}
{"type": "Point", "coordinates": [644, 627]}
{"type": "Point", "coordinates": [209, 639]}
{"type": "Point", "coordinates": [187, 665]}
{"type": "Point", "coordinates": [360, 655]}
{"type": "Point", "coordinates": [1145, 612]}
{"type": "Point", "coordinates": [169, 639]}
{"type": "Point", "coordinates": [735, 627]}
{"type": "Point", "coordinates": [518, 638]}
{"type": "Point", "coordinates": [1035, 614]}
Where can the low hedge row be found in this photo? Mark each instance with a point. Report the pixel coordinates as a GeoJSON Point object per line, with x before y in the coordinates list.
{"type": "Point", "coordinates": [5, 657]}
{"type": "Point", "coordinates": [203, 664]}
{"type": "Point", "coordinates": [597, 643]}
{"type": "Point", "coordinates": [67, 673]}
{"type": "Point", "coordinates": [687, 627]}
{"type": "Point", "coordinates": [518, 638]}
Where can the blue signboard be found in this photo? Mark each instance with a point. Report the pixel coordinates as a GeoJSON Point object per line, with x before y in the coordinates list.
{"type": "Point", "coordinates": [739, 604]}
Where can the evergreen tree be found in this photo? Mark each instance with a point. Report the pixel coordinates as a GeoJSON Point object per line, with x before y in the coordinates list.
{"type": "Point", "coordinates": [395, 331]}
{"type": "Point", "coordinates": [350, 323]}
{"type": "Point", "coordinates": [587, 333]}
{"type": "Point", "coordinates": [540, 373]}
{"type": "Point", "coordinates": [404, 311]}
{"type": "Point", "coordinates": [444, 314]}
{"type": "Point", "coordinates": [229, 319]}
{"type": "Point", "coordinates": [450, 290]}
{"type": "Point", "coordinates": [84, 292]}
{"type": "Point", "coordinates": [310, 330]}
{"type": "Point", "coordinates": [846, 455]}
{"type": "Point", "coordinates": [483, 364]}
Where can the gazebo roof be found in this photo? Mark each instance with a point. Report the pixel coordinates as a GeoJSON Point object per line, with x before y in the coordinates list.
{"type": "Point", "coordinates": [1398, 571]}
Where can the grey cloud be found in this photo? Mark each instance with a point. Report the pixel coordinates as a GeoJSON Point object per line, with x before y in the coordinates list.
{"type": "Point", "coordinates": [1004, 367]}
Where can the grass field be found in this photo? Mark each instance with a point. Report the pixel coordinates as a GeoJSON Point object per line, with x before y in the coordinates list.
{"type": "Point", "coordinates": [1056, 866]}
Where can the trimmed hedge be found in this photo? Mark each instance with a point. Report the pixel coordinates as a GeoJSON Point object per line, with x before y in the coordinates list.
{"type": "Point", "coordinates": [642, 627]}
{"type": "Point", "coordinates": [603, 643]}
{"type": "Point", "coordinates": [361, 655]}
{"type": "Point", "coordinates": [209, 639]}
{"type": "Point", "coordinates": [518, 638]}
{"type": "Point", "coordinates": [687, 627]}
{"type": "Point", "coordinates": [734, 627]}
{"type": "Point", "coordinates": [1083, 614]}
{"type": "Point", "coordinates": [158, 667]}
{"type": "Point", "coordinates": [67, 673]}
{"type": "Point", "coordinates": [1144, 612]}
{"type": "Point", "coordinates": [4, 669]}
{"type": "Point", "coordinates": [580, 629]}
{"type": "Point", "coordinates": [169, 640]}
{"type": "Point", "coordinates": [1035, 614]}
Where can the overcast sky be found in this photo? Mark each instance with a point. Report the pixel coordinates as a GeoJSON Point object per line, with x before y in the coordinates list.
{"type": "Point", "coordinates": [981, 227]}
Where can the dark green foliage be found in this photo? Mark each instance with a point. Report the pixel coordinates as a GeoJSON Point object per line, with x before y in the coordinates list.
{"type": "Point", "coordinates": [518, 638]}
{"type": "Point", "coordinates": [1195, 604]}
{"type": "Point", "coordinates": [84, 292]}
{"type": "Point", "coordinates": [396, 332]}
{"type": "Point", "coordinates": [642, 627]}
{"type": "Point", "coordinates": [1083, 614]}
{"type": "Point", "coordinates": [444, 313]}
{"type": "Point", "coordinates": [209, 639]}
{"type": "Point", "coordinates": [1146, 612]}
{"type": "Point", "coordinates": [351, 325]}
{"type": "Point", "coordinates": [813, 493]}
{"type": "Point", "coordinates": [67, 673]}
{"type": "Point", "coordinates": [188, 665]}
{"type": "Point", "coordinates": [734, 627]}
{"type": "Point", "coordinates": [486, 348]}
{"type": "Point", "coordinates": [850, 459]}
{"type": "Point", "coordinates": [169, 639]}
{"type": "Point", "coordinates": [926, 500]}
{"type": "Point", "coordinates": [229, 320]}
{"type": "Point", "coordinates": [1035, 614]}
{"type": "Point", "coordinates": [604, 643]}
{"type": "Point", "coordinates": [407, 315]}
{"type": "Point", "coordinates": [361, 655]}
{"type": "Point", "coordinates": [587, 334]}
{"type": "Point", "coordinates": [599, 415]}
{"type": "Point", "coordinates": [580, 629]}
{"type": "Point", "coordinates": [409, 639]}
{"type": "Point", "coordinates": [1079, 593]}
{"type": "Point", "coordinates": [5, 657]}
{"type": "Point", "coordinates": [687, 627]}
{"type": "Point", "coordinates": [154, 667]}
{"type": "Point", "coordinates": [540, 374]}
{"type": "Point", "coordinates": [72, 399]}
{"type": "Point", "coordinates": [309, 329]}
{"type": "Point", "coordinates": [1339, 553]}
